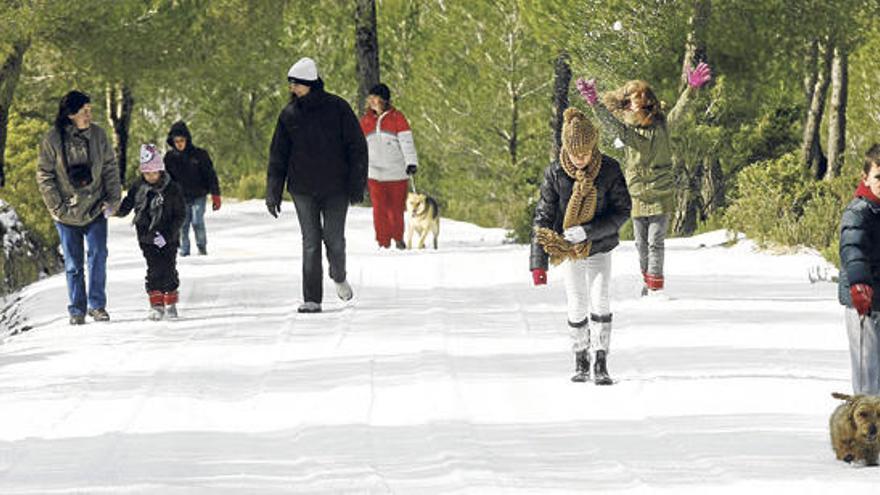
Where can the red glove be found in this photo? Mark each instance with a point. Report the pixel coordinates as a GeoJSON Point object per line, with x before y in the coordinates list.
{"type": "Point", "coordinates": [539, 276]}
{"type": "Point", "coordinates": [861, 295]}
{"type": "Point", "coordinates": [215, 202]}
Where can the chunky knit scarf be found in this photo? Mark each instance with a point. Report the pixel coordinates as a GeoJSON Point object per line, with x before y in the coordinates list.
{"type": "Point", "coordinates": [580, 210]}
{"type": "Point", "coordinates": [153, 210]}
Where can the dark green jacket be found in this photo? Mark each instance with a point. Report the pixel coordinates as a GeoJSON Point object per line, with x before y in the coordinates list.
{"type": "Point", "coordinates": [647, 163]}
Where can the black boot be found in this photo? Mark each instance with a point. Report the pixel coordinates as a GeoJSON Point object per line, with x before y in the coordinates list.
{"type": "Point", "coordinates": [600, 372]}
{"type": "Point", "coordinates": [582, 366]}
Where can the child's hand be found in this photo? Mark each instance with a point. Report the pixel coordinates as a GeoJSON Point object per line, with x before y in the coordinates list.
{"type": "Point", "coordinates": [587, 89]}
{"type": "Point", "coordinates": [861, 295]}
{"type": "Point", "coordinates": [539, 276]}
{"type": "Point", "coordinates": [159, 241]}
{"type": "Point", "coordinates": [699, 76]}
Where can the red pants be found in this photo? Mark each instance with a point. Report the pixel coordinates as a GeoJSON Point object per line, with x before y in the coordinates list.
{"type": "Point", "coordinates": [389, 203]}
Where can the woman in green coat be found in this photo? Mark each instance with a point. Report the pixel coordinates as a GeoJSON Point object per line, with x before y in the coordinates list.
{"type": "Point", "coordinates": [633, 115]}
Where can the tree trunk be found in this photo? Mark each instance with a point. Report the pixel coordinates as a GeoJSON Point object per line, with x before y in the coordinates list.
{"type": "Point", "coordinates": [811, 63]}
{"type": "Point", "coordinates": [714, 188]}
{"type": "Point", "coordinates": [366, 49]}
{"type": "Point", "coordinates": [120, 104]}
{"type": "Point", "coordinates": [561, 81]}
{"type": "Point", "coordinates": [689, 198]}
{"type": "Point", "coordinates": [9, 74]}
{"type": "Point", "coordinates": [837, 119]}
{"type": "Point", "coordinates": [812, 157]}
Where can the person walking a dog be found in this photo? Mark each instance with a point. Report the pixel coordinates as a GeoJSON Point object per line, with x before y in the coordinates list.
{"type": "Point", "coordinates": [633, 115]}
{"type": "Point", "coordinates": [583, 203]}
{"type": "Point", "coordinates": [79, 181]}
{"type": "Point", "coordinates": [859, 282]}
{"type": "Point", "coordinates": [392, 160]}
{"type": "Point", "coordinates": [319, 151]}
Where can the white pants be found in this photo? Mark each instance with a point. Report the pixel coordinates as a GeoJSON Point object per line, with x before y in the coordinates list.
{"type": "Point", "coordinates": [587, 287]}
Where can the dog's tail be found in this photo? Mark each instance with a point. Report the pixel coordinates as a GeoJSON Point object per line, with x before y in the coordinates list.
{"type": "Point", "coordinates": [838, 395]}
{"type": "Point", "coordinates": [433, 207]}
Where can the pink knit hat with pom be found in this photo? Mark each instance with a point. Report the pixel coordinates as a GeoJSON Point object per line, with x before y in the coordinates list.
{"type": "Point", "coordinates": [151, 160]}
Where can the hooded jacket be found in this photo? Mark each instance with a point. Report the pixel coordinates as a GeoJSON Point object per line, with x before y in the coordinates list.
{"type": "Point", "coordinates": [191, 168]}
{"type": "Point", "coordinates": [318, 149]}
{"type": "Point", "coordinates": [613, 206]}
{"type": "Point", "coordinates": [71, 202]}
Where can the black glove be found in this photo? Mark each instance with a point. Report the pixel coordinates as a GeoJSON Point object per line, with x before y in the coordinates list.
{"type": "Point", "coordinates": [273, 207]}
{"type": "Point", "coordinates": [411, 169]}
{"type": "Point", "coordinates": [355, 198]}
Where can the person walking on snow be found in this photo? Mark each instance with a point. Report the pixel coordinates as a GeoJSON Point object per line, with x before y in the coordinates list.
{"type": "Point", "coordinates": [159, 211]}
{"type": "Point", "coordinates": [859, 282]}
{"type": "Point", "coordinates": [583, 204]}
{"type": "Point", "coordinates": [319, 151]}
{"type": "Point", "coordinates": [633, 115]}
{"type": "Point", "coordinates": [79, 181]}
{"type": "Point", "coordinates": [392, 160]}
{"type": "Point", "coordinates": [191, 167]}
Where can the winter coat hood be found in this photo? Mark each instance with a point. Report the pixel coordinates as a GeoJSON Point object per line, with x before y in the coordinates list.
{"type": "Point", "coordinates": [179, 128]}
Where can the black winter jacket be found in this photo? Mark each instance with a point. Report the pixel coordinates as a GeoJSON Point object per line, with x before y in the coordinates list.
{"type": "Point", "coordinates": [191, 168]}
{"type": "Point", "coordinates": [173, 213]}
{"type": "Point", "coordinates": [613, 205]}
{"type": "Point", "coordinates": [318, 149]}
{"type": "Point", "coordinates": [859, 250]}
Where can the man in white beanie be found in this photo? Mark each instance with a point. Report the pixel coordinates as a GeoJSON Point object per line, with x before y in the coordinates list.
{"type": "Point", "coordinates": [319, 151]}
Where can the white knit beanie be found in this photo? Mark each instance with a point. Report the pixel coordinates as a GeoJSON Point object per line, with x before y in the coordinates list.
{"type": "Point", "coordinates": [304, 69]}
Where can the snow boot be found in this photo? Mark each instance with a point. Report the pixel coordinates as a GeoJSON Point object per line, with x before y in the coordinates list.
{"type": "Point", "coordinates": [157, 305]}
{"type": "Point", "coordinates": [600, 371]}
{"type": "Point", "coordinates": [309, 307]}
{"type": "Point", "coordinates": [343, 290]}
{"type": "Point", "coordinates": [582, 366]}
{"type": "Point", "coordinates": [77, 319]}
{"type": "Point", "coordinates": [399, 244]}
{"type": "Point", "coordinates": [203, 251]}
{"type": "Point", "coordinates": [171, 304]}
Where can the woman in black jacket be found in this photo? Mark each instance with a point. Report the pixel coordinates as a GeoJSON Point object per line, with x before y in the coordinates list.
{"type": "Point", "coordinates": [584, 202]}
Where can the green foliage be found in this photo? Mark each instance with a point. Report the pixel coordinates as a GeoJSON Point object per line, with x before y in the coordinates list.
{"type": "Point", "coordinates": [775, 204]}
{"type": "Point", "coordinates": [21, 177]}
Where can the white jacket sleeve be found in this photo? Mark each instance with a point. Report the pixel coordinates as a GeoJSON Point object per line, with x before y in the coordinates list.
{"type": "Point", "coordinates": [408, 147]}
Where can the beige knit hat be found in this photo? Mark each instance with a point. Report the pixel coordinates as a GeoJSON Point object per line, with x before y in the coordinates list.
{"type": "Point", "coordinates": [579, 137]}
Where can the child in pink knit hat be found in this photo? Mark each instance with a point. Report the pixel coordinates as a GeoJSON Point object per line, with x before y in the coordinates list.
{"type": "Point", "coordinates": [159, 210]}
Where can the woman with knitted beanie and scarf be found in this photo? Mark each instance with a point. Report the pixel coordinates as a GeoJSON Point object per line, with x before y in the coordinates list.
{"type": "Point", "coordinates": [584, 202]}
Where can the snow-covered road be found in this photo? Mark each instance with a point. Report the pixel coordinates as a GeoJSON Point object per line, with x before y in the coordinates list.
{"type": "Point", "coordinates": [449, 373]}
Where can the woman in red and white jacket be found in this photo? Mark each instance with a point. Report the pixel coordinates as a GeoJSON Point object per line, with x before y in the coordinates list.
{"type": "Point", "coordinates": [392, 160]}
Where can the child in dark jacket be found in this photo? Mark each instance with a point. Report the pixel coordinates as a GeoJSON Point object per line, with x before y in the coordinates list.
{"type": "Point", "coordinates": [159, 211]}
{"type": "Point", "coordinates": [584, 202]}
{"type": "Point", "coordinates": [860, 276]}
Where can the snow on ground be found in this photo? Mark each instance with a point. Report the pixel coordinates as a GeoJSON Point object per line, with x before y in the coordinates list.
{"type": "Point", "coordinates": [450, 373]}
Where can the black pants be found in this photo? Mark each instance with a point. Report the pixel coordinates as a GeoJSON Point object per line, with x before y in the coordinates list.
{"type": "Point", "coordinates": [161, 267]}
{"type": "Point", "coordinates": [311, 210]}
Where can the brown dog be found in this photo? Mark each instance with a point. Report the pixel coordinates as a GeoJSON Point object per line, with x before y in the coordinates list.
{"type": "Point", "coordinates": [854, 426]}
{"type": "Point", "coordinates": [424, 217]}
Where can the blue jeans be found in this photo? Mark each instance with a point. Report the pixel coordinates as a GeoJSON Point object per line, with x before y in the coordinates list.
{"type": "Point", "coordinates": [95, 235]}
{"type": "Point", "coordinates": [195, 216]}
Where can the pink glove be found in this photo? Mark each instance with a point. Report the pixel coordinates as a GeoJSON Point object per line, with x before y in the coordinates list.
{"type": "Point", "coordinates": [539, 276]}
{"type": "Point", "coordinates": [587, 89]}
{"type": "Point", "coordinates": [699, 76]}
{"type": "Point", "coordinates": [861, 295]}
